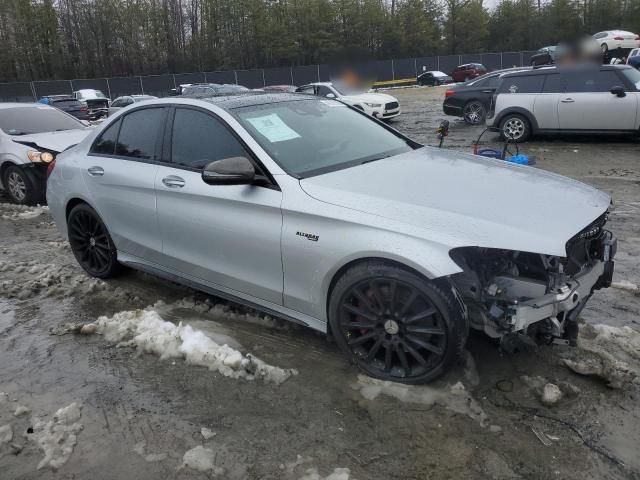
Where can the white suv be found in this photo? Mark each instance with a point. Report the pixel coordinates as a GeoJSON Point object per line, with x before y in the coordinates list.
{"type": "Point", "coordinates": [378, 105]}
{"type": "Point", "coordinates": [567, 99]}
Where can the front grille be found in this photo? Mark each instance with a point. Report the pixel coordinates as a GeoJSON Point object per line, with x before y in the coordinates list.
{"type": "Point", "coordinates": [391, 106]}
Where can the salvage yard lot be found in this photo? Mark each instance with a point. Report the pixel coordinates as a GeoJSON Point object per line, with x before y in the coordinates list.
{"type": "Point", "coordinates": [312, 415]}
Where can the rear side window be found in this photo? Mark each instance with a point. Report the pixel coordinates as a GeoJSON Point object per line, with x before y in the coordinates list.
{"type": "Point", "coordinates": [139, 133]}
{"type": "Point", "coordinates": [553, 84]}
{"type": "Point", "coordinates": [522, 84]}
{"type": "Point", "coordinates": [199, 139]}
{"type": "Point", "coordinates": [592, 81]}
{"type": "Point", "coordinates": [106, 142]}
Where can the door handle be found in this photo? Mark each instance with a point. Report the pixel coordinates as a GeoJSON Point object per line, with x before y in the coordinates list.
{"type": "Point", "coordinates": [567, 100]}
{"type": "Point", "coordinates": [96, 171]}
{"type": "Point", "coordinates": [173, 181]}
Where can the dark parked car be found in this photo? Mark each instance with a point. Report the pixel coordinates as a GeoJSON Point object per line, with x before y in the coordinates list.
{"type": "Point", "coordinates": [279, 88]}
{"type": "Point", "coordinates": [468, 71]}
{"type": "Point", "coordinates": [471, 100]}
{"type": "Point", "coordinates": [67, 104]}
{"type": "Point", "coordinates": [95, 100]}
{"type": "Point", "coordinates": [544, 56]}
{"type": "Point", "coordinates": [433, 78]}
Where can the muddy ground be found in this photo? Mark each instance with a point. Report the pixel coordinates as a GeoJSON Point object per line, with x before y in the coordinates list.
{"type": "Point", "coordinates": [139, 414]}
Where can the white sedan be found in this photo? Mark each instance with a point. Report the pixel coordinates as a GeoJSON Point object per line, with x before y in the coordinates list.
{"type": "Point", "coordinates": [378, 105]}
{"type": "Point", "coordinates": [614, 39]}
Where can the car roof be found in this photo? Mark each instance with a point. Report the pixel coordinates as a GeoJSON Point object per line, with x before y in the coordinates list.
{"type": "Point", "coordinates": [318, 84]}
{"type": "Point", "coordinates": [546, 69]}
{"type": "Point", "coordinates": [8, 105]}
{"type": "Point", "coordinates": [233, 101]}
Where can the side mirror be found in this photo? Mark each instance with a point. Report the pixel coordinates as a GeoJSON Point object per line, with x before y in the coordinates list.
{"type": "Point", "coordinates": [618, 91]}
{"type": "Point", "coordinates": [330, 95]}
{"type": "Point", "coordinates": [229, 171]}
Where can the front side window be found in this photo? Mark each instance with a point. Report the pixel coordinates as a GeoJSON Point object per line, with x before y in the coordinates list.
{"type": "Point", "coordinates": [306, 90]}
{"type": "Point", "coordinates": [592, 81]}
{"type": "Point", "coordinates": [310, 137]}
{"type": "Point", "coordinates": [323, 91]}
{"type": "Point", "coordinates": [36, 119]}
{"type": "Point", "coordinates": [139, 133]}
{"type": "Point", "coordinates": [199, 139]}
{"type": "Point", "coordinates": [105, 144]}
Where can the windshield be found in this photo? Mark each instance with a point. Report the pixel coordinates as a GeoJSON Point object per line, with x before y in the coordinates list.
{"type": "Point", "coordinates": [311, 137]}
{"type": "Point", "coordinates": [27, 120]}
{"type": "Point", "coordinates": [633, 76]}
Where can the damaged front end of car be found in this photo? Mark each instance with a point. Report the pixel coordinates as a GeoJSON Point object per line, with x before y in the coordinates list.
{"type": "Point", "coordinates": [520, 296]}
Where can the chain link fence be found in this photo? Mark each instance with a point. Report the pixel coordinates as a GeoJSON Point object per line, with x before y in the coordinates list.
{"type": "Point", "coordinates": [161, 85]}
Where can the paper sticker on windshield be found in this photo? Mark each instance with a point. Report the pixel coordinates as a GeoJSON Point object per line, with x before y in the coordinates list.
{"type": "Point", "coordinates": [273, 128]}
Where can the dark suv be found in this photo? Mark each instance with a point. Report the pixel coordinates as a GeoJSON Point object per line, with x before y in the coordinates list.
{"type": "Point", "coordinates": [471, 100]}
{"type": "Point", "coordinates": [468, 71]}
{"type": "Point", "coordinates": [67, 104]}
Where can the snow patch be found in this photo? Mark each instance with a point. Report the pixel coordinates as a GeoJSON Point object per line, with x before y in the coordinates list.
{"type": "Point", "coordinates": [607, 352]}
{"type": "Point", "coordinates": [625, 285]}
{"type": "Point", "coordinates": [10, 211]}
{"type": "Point", "coordinates": [201, 459]}
{"type": "Point", "coordinates": [337, 474]}
{"type": "Point", "coordinates": [147, 330]}
{"type": "Point", "coordinates": [21, 410]}
{"type": "Point", "coordinates": [6, 435]}
{"type": "Point", "coordinates": [58, 437]}
{"type": "Point", "coordinates": [33, 278]}
{"type": "Point", "coordinates": [456, 398]}
{"type": "Point", "coordinates": [140, 448]}
{"type": "Point", "coordinates": [207, 433]}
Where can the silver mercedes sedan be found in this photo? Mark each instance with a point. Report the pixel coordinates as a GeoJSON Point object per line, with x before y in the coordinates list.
{"type": "Point", "coordinates": [309, 210]}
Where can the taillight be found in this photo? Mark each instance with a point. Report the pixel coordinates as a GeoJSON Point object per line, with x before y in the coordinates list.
{"type": "Point", "coordinates": [449, 93]}
{"type": "Point", "coordinates": [638, 38]}
{"type": "Point", "coordinates": [618, 38]}
{"type": "Point", "coordinates": [84, 108]}
{"type": "Point", "coordinates": [50, 167]}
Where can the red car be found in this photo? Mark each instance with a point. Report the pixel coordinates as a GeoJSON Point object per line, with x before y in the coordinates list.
{"type": "Point", "coordinates": [468, 71]}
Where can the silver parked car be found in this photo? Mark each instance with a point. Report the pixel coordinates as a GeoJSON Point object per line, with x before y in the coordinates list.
{"type": "Point", "coordinates": [31, 135]}
{"type": "Point", "coordinates": [568, 99]}
{"type": "Point", "coordinates": [127, 100]}
{"type": "Point", "coordinates": [308, 209]}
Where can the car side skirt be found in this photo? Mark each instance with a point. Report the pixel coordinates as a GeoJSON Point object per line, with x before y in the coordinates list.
{"type": "Point", "coordinates": [222, 292]}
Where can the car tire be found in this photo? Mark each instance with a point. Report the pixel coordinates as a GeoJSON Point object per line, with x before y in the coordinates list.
{"type": "Point", "coordinates": [515, 127]}
{"type": "Point", "coordinates": [474, 112]}
{"type": "Point", "coordinates": [91, 243]}
{"type": "Point", "coordinates": [396, 325]}
{"type": "Point", "coordinates": [18, 187]}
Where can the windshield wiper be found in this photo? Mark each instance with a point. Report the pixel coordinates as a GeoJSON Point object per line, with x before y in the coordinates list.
{"type": "Point", "coordinates": [375, 159]}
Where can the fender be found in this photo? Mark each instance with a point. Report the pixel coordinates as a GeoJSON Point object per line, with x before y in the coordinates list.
{"type": "Point", "coordinates": [522, 111]}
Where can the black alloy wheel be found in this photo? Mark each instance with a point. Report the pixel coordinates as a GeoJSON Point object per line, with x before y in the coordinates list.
{"type": "Point", "coordinates": [395, 325]}
{"type": "Point", "coordinates": [91, 243]}
{"type": "Point", "coordinates": [474, 112]}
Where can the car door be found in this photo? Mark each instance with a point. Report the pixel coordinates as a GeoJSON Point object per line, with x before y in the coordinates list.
{"type": "Point", "coordinates": [120, 172]}
{"type": "Point", "coordinates": [228, 235]}
{"type": "Point", "coordinates": [588, 103]}
{"type": "Point", "coordinates": [545, 106]}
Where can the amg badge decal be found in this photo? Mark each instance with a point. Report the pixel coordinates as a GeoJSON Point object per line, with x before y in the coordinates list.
{"type": "Point", "coordinates": [308, 236]}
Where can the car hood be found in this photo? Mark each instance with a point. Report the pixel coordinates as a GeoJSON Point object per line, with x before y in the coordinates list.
{"type": "Point", "coordinates": [369, 98]}
{"type": "Point", "coordinates": [54, 141]}
{"type": "Point", "coordinates": [465, 200]}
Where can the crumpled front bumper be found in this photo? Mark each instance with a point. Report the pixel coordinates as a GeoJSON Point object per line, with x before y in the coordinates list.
{"type": "Point", "coordinates": [599, 275]}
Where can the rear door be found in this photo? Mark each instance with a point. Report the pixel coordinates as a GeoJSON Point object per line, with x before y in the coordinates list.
{"type": "Point", "coordinates": [546, 102]}
{"type": "Point", "coordinates": [228, 235]}
{"type": "Point", "coordinates": [120, 172]}
{"type": "Point", "coordinates": [588, 103]}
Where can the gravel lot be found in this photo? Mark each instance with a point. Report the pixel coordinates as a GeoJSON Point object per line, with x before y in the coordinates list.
{"type": "Point", "coordinates": [139, 414]}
